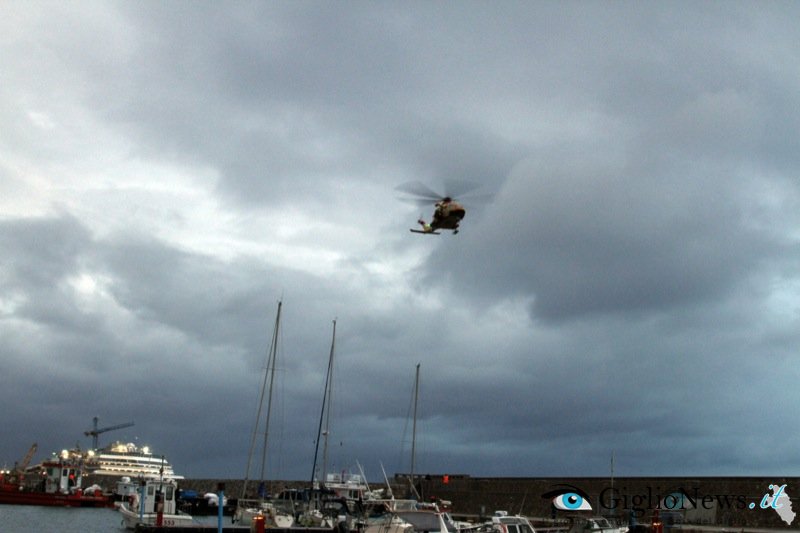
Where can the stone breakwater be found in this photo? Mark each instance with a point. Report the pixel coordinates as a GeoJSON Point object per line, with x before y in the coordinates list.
{"type": "Point", "coordinates": [709, 501]}
{"type": "Point", "coordinates": [233, 487]}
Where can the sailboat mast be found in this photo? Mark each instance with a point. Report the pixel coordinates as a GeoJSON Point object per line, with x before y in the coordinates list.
{"type": "Point", "coordinates": [328, 408]}
{"type": "Point", "coordinates": [414, 428]}
{"type": "Point", "coordinates": [273, 358]}
{"type": "Point", "coordinates": [612, 469]}
{"type": "Point", "coordinates": [324, 405]}
{"type": "Point", "coordinates": [270, 361]}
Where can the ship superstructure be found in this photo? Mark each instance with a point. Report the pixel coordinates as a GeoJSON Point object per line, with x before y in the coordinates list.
{"type": "Point", "coordinates": [127, 459]}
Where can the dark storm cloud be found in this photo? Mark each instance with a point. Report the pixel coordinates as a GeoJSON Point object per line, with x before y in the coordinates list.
{"type": "Point", "coordinates": [275, 98]}
{"type": "Point", "coordinates": [632, 287]}
{"type": "Point", "coordinates": [591, 237]}
{"type": "Point", "coordinates": [662, 206]}
{"type": "Point", "coordinates": [45, 251]}
{"type": "Point", "coordinates": [40, 255]}
{"type": "Point", "coordinates": [183, 319]}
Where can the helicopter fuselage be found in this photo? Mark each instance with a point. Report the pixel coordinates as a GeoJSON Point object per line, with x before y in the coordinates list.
{"type": "Point", "coordinates": [448, 215]}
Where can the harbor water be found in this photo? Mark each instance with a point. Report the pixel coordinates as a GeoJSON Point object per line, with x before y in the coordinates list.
{"type": "Point", "coordinates": [36, 519]}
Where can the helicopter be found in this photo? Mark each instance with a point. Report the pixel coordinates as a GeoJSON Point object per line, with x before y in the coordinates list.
{"type": "Point", "coordinates": [448, 212]}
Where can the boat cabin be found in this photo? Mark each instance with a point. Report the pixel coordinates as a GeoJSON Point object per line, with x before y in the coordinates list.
{"type": "Point", "coordinates": [592, 524]}
{"type": "Point", "coordinates": [348, 486]}
{"type": "Point", "coordinates": [63, 477]}
{"type": "Point", "coordinates": [503, 523]}
{"type": "Point", "coordinates": [154, 505]}
{"type": "Point", "coordinates": [159, 495]}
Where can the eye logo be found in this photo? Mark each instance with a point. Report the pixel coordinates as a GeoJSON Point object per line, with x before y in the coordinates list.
{"type": "Point", "coordinates": [569, 498]}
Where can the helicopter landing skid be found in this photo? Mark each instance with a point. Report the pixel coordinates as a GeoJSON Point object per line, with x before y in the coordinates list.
{"type": "Point", "coordinates": [425, 232]}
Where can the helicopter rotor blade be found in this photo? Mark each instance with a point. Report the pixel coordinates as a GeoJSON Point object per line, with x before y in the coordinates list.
{"type": "Point", "coordinates": [460, 190]}
{"type": "Point", "coordinates": [455, 188]}
{"type": "Point", "coordinates": [420, 190]}
{"type": "Point", "coordinates": [418, 201]}
{"type": "Point", "coordinates": [475, 199]}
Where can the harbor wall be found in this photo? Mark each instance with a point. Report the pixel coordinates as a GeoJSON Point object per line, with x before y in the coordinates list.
{"type": "Point", "coordinates": [708, 501]}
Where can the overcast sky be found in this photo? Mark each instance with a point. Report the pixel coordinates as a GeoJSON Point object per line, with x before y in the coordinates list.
{"type": "Point", "coordinates": [169, 171]}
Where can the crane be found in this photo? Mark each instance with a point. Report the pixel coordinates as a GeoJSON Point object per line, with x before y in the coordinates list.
{"type": "Point", "coordinates": [94, 432]}
{"type": "Point", "coordinates": [27, 460]}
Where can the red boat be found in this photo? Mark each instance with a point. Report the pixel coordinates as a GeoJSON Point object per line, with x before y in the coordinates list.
{"type": "Point", "coordinates": [56, 482]}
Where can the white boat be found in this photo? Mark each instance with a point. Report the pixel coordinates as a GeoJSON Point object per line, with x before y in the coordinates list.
{"type": "Point", "coordinates": [390, 515]}
{"type": "Point", "coordinates": [126, 459]}
{"type": "Point", "coordinates": [380, 515]}
{"type": "Point", "coordinates": [503, 523]}
{"type": "Point", "coordinates": [248, 509]}
{"type": "Point", "coordinates": [154, 505]}
{"type": "Point", "coordinates": [331, 503]}
{"type": "Point", "coordinates": [594, 524]}
{"type": "Point", "coordinates": [408, 515]}
{"type": "Point", "coordinates": [345, 485]}
{"type": "Point", "coordinates": [430, 520]}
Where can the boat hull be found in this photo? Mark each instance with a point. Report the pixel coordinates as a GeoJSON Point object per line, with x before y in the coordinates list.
{"type": "Point", "coordinates": [10, 494]}
{"type": "Point", "coordinates": [273, 518]}
{"type": "Point", "coordinates": [132, 519]}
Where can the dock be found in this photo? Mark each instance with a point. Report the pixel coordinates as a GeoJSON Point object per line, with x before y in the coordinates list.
{"type": "Point", "coordinates": [199, 529]}
{"type": "Point", "coordinates": [209, 528]}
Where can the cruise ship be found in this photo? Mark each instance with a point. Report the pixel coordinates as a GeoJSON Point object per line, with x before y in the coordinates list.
{"type": "Point", "coordinates": [126, 459]}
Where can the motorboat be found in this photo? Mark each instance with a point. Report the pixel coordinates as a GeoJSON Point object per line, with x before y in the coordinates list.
{"type": "Point", "coordinates": [502, 522]}
{"type": "Point", "coordinates": [154, 505]}
{"type": "Point", "coordinates": [594, 524]}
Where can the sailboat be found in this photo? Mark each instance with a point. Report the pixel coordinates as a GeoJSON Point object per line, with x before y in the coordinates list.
{"type": "Point", "coordinates": [247, 508]}
{"type": "Point", "coordinates": [327, 400]}
{"type": "Point", "coordinates": [386, 515]}
{"type": "Point", "coordinates": [410, 514]}
{"type": "Point", "coordinates": [325, 498]}
{"type": "Point", "coordinates": [414, 433]}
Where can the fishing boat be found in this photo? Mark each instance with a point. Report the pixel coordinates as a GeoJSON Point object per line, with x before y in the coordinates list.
{"type": "Point", "coordinates": [53, 482]}
{"type": "Point", "coordinates": [154, 505]}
